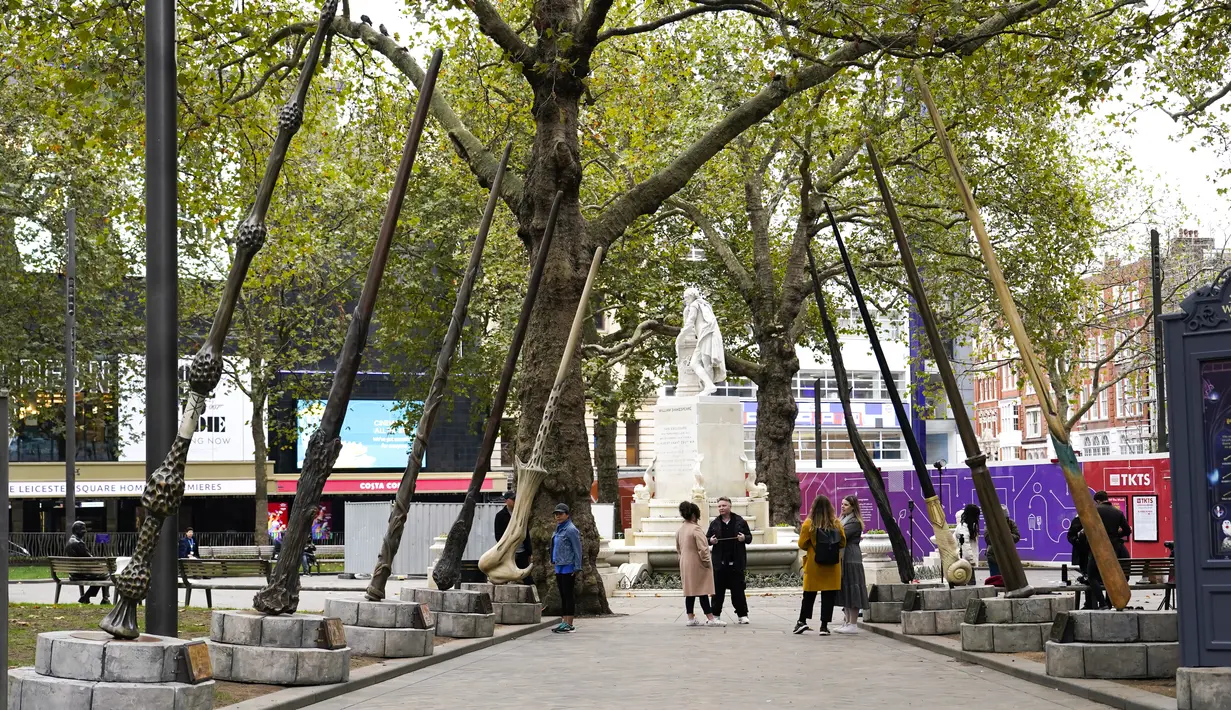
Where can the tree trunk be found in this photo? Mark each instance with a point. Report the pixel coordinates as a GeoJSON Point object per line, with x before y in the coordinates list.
{"type": "Point", "coordinates": [554, 165]}
{"type": "Point", "coordinates": [776, 412]}
{"type": "Point", "coordinates": [260, 456]}
{"type": "Point", "coordinates": [606, 411]}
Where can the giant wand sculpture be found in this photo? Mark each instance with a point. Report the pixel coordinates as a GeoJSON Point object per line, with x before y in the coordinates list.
{"type": "Point", "coordinates": [165, 488]}
{"type": "Point", "coordinates": [436, 391]}
{"type": "Point", "coordinates": [956, 569]}
{"type": "Point", "coordinates": [1011, 564]}
{"type": "Point", "coordinates": [1096, 534]}
{"type": "Point", "coordinates": [281, 595]}
{"type": "Point", "coordinates": [876, 483]}
{"type": "Point", "coordinates": [498, 563]}
{"type": "Point", "coordinates": [446, 572]}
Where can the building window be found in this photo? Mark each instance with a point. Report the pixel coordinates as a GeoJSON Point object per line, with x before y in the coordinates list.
{"type": "Point", "coordinates": [883, 445]}
{"type": "Point", "coordinates": [805, 445]}
{"type": "Point", "coordinates": [750, 443]}
{"type": "Point", "coordinates": [864, 385]}
{"type": "Point", "coordinates": [632, 443]}
{"type": "Point", "coordinates": [1008, 453]}
{"type": "Point", "coordinates": [1034, 423]}
{"type": "Point", "coordinates": [1035, 453]}
{"type": "Point", "coordinates": [1096, 445]}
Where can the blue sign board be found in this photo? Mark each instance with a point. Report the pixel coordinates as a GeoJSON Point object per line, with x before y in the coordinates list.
{"type": "Point", "coordinates": [371, 435]}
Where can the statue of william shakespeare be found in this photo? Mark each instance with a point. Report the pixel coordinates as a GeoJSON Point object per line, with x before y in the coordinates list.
{"type": "Point", "coordinates": [698, 348]}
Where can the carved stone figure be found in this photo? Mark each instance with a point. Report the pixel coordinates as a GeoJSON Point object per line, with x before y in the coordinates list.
{"type": "Point", "coordinates": [701, 358]}
{"type": "Point", "coordinates": [751, 487]}
{"type": "Point", "coordinates": [643, 492]}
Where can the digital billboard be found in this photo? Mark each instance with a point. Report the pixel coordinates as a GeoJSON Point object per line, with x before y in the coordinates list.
{"type": "Point", "coordinates": [371, 437]}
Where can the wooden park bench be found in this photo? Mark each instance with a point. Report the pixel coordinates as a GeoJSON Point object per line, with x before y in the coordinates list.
{"type": "Point", "coordinates": [241, 552]}
{"type": "Point", "coordinates": [1155, 573]}
{"type": "Point", "coordinates": [192, 568]}
{"type": "Point", "coordinates": [63, 567]}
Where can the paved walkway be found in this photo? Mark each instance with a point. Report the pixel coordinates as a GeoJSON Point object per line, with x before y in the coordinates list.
{"type": "Point", "coordinates": [648, 658]}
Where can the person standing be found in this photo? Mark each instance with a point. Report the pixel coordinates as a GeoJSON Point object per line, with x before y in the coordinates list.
{"type": "Point", "coordinates": [521, 556]}
{"type": "Point", "coordinates": [993, 569]}
{"type": "Point", "coordinates": [696, 566]}
{"type": "Point", "coordinates": [188, 546]}
{"type": "Point", "coordinates": [729, 535]}
{"type": "Point", "coordinates": [566, 556]}
{"type": "Point", "coordinates": [854, 592]}
{"type": "Point", "coordinates": [821, 538]}
{"type": "Point", "coordinates": [76, 548]}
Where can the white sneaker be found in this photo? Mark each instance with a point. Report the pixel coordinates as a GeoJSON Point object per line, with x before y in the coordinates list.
{"type": "Point", "coordinates": [693, 622]}
{"type": "Point", "coordinates": [715, 622]}
{"type": "Point", "coordinates": [744, 620]}
{"type": "Point", "coordinates": [848, 629]}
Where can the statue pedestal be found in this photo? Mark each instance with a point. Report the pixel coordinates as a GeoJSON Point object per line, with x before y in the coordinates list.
{"type": "Point", "coordinates": [698, 435]}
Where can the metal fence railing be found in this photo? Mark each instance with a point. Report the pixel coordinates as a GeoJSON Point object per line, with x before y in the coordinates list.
{"type": "Point", "coordinates": [122, 544]}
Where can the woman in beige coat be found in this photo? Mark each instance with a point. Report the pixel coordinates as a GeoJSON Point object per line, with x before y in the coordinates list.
{"type": "Point", "coordinates": [696, 570]}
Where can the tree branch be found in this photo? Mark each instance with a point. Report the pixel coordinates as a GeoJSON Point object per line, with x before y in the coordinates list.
{"type": "Point", "coordinates": [676, 17]}
{"type": "Point", "coordinates": [494, 26]}
{"type": "Point", "coordinates": [743, 280]}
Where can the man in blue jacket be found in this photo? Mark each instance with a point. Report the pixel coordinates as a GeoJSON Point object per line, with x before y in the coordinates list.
{"type": "Point", "coordinates": [566, 556]}
{"type": "Point", "coordinates": [188, 546]}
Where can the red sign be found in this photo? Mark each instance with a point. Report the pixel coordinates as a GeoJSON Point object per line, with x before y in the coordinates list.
{"type": "Point", "coordinates": [1140, 476]}
{"type": "Point", "coordinates": [377, 486]}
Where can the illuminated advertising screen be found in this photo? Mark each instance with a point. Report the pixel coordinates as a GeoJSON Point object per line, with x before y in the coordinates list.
{"type": "Point", "coordinates": [371, 435]}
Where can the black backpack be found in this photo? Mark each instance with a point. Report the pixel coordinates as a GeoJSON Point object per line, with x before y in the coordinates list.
{"type": "Point", "coordinates": [827, 547]}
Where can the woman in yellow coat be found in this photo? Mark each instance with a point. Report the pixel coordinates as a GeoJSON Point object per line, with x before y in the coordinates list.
{"type": "Point", "coordinates": [821, 538]}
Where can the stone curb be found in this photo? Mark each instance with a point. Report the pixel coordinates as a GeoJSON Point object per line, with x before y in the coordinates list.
{"type": "Point", "coordinates": [360, 678]}
{"type": "Point", "coordinates": [1106, 692]}
{"type": "Point", "coordinates": [757, 592]}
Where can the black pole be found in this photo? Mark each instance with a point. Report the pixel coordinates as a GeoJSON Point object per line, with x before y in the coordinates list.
{"type": "Point", "coordinates": [910, 504]}
{"type": "Point", "coordinates": [161, 294]}
{"type": "Point", "coordinates": [4, 535]}
{"type": "Point", "coordinates": [816, 420]}
{"type": "Point", "coordinates": [1160, 389]}
{"type": "Point", "coordinates": [70, 369]}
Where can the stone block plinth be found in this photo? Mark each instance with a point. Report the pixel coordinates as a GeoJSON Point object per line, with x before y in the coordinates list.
{"type": "Point", "coordinates": [1112, 660]}
{"type": "Point", "coordinates": [390, 643]}
{"type": "Point", "coordinates": [454, 601]}
{"type": "Point", "coordinates": [30, 690]}
{"type": "Point", "coordinates": [384, 614]}
{"type": "Point", "coordinates": [884, 612]}
{"type": "Point", "coordinates": [511, 614]}
{"type": "Point", "coordinates": [506, 593]}
{"type": "Point", "coordinates": [465, 626]}
{"type": "Point", "coordinates": [1202, 688]}
{"type": "Point", "coordinates": [275, 665]}
{"type": "Point", "coordinates": [1004, 638]}
{"type": "Point", "coordinates": [252, 628]}
{"type": "Point", "coordinates": [1031, 610]}
{"type": "Point", "coordinates": [935, 622]}
{"type": "Point", "coordinates": [1110, 626]}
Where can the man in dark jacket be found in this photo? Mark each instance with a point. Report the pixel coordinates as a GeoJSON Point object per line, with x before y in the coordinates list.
{"type": "Point", "coordinates": [188, 545]}
{"type": "Point", "coordinates": [993, 569]}
{"type": "Point", "coordinates": [1116, 525]}
{"type": "Point", "coordinates": [76, 548]}
{"type": "Point", "coordinates": [729, 537]}
{"type": "Point", "coordinates": [521, 556]}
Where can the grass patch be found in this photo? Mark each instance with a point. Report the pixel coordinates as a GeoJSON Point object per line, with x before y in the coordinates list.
{"type": "Point", "coordinates": [27, 621]}
{"type": "Point", "coordinates": [29, 572]}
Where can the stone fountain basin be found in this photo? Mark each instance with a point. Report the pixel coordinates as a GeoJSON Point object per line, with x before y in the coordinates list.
{"type": "Point", "coordinates": [762, 559]}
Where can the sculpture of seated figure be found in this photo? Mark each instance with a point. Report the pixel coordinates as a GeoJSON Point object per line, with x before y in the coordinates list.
{"type": "Point", "coordinates": [643, 492]}
{"type": "Point", "coordinates": [751, 487]}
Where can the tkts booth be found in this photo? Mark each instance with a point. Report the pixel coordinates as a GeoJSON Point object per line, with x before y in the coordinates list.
{"type": "Point", "coordinates": [1198, 350]}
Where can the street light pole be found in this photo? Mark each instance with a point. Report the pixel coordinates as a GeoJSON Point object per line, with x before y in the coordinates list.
{"type": "Point", "coordinates": [70, 369]}
{"type": "Point", "coordinates": [162, 293]}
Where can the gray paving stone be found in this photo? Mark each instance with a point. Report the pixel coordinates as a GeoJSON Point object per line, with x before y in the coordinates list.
{"type": "Point", "coordinates": [409, 643]}
{"type": "Point", "coordinates": [133, 696]}
{"type": "Point", "coordinates": [1081, 627]}
{"type": "Point", "coordinates": [378, 615]}
{"type": "Point", "coordinates": [412, 615]}
{"type": "Point", "coordinates": [933, 599]}
{"type": "Point", "coordinates": [311, 637]}
{"type": "Point", "coordinates": [196, 697]}
{"type": "Point", "coordinates": [215, 626]}
{"type": "Point", "coordinates": [366, 641]}
{"type": "Point", "coordinates": [460, 601]}
{"type": "Point", "coordinates": [1036, 610]}
{"type": "Point", "coordinates": [1158, 626]}
{"type": "Point", "coordinates": [919, 623]}
{"type": "Point", "coordinates": [1065, 660]}
{"type": "Point", "coordinates": [1115, 660]}
{"type": "Point", "coordinates": [465, 625]}
{"type": "Point", "coordinates": [321, 666]}
{"type": "Point", "coordinates": [256, 664]}
{"type": "Point", "coordinates": [42, 653]}
{"type": "Point", "coordinates": [515, 594]}
{"type": "Point", "coordinates": [510, 613]}
{"type": "Point", "coordinates": [1163, 659]}
{"type": "Point", "coordinates": [239, 628]}
{"type": "Point", "coordinates": [961, 596]}
{"type": "Point", "coordinates": [345, 609]}
{"type": "Point", "coordinates": [77, 658]}
{"type": "Point", "coordinates": [434, 598]}
{"type": "Point", "coordinates": [1063, 602]}
{"type": "Point", "coordinates": [1112, 626]}
{"type": "Point", "coordinates": [999, 611]}
{"type": "Point", "coordinates": [977, 637]}
{"type": "Point", "coordinates": [14, 689]}
{"type": "Point", "coordinates": [282, 631]}
{"type": "Point", "coordinates": [481, 587]}
{"type": "Point", "coordinates": [220, 656]}
{"type": "Point", "coordinates": [1201, 688]}
{"type": "Point", "coordinates": [40, 692]}
{"type": "Point", "coordinates": [949, 621]}
{"type": "Point", "coordinates": [884, 612]}
{"type": "Point", "coordinates": [1019, 638]}
{"type": "Point", "coordinates": [136, 662]}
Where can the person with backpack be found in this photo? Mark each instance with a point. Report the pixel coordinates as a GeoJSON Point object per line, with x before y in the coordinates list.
{"type": "Point", "coordinates": [822, 538]}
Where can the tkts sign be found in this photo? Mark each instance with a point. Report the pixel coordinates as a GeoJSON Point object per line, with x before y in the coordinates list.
{"type": "Point", "coordinates": [1130, 478]}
